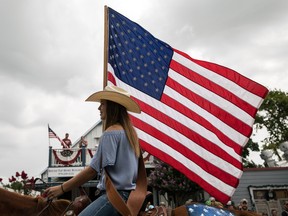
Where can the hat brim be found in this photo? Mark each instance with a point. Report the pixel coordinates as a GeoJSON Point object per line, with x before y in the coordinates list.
{"type": "Point", "coordinates": [116, 97]}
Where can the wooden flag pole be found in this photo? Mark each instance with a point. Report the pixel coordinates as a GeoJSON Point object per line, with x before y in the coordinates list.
{"type": "Point", "coordinates": [105, 46]}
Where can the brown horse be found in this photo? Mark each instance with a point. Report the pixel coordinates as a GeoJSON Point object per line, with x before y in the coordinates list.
{"type": "Point", "coordinates": [14, 204]}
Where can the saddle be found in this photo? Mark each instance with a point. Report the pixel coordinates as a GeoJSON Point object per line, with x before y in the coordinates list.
{"type": "Point", "coordinates": [156, 211]}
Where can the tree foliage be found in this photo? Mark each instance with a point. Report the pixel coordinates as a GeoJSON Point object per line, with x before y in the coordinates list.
{"type": "Point", "coordinates": [273, 116]}
{"type": "Point", "coordinates": [165, 179]}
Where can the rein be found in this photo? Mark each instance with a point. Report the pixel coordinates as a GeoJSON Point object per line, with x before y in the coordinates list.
{"type": "Point", "coordinates": [67, 209]}
{"type": "Point", "coordinates": [47, 206]}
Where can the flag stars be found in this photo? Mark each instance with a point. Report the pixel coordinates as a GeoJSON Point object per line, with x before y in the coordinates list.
{"type": "Point", "coordinates": [139, 55]}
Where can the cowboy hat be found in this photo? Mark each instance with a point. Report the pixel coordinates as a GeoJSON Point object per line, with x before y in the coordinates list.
{"type": "Point", "coordinates": [117, 95]}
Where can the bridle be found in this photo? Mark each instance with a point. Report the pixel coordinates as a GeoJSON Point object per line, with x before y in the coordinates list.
{"type": "Point", "coordinates": [46, 207]}
{"type": "Point", "coordinates": [63, 214]}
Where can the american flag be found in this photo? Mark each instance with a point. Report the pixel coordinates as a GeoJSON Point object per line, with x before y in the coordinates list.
{"type": "Point", "coordinates": [196, 115]}
{"type": "Point", "coordinates": [52, 134]}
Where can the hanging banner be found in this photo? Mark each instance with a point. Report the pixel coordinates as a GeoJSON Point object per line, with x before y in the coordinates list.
{"type": "Point", "coordinates": [63, 171]}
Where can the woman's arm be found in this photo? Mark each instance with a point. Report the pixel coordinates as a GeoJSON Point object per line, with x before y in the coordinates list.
{"type": "Point", "coordinates": [82, 177]}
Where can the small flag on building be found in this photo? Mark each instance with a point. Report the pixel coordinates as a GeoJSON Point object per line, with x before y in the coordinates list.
{"type": "Point", "coordinates": [52, 134]}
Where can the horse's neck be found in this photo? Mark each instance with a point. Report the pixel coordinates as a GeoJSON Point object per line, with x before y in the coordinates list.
{"type": "Point", "coordinates": [12, 203]}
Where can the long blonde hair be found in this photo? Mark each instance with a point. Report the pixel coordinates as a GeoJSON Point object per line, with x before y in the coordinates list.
{"type": "Point", "coordinates": [117, 114]}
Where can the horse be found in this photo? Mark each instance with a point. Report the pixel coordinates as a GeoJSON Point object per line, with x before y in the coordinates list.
{"type": "Point", "coordinates": [14, 204]}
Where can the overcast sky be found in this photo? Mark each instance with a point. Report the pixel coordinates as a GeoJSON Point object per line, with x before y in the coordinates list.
{"type": "Point", "coordinates": [51, 59]}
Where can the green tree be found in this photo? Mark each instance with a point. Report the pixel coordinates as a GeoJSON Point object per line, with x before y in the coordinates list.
{"type": "Point", "coordinates": [166, 179]}
{"type": "Point", "coordinates": [273, 116]}
{"type": "Point", "coordinates": [250, 146]}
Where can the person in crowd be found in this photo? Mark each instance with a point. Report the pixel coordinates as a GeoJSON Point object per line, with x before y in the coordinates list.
{"type": "Point", "coordinates": [118, 153]}
{"type": "Point", "coordinates": [243, 205]}
{"type": "Point", "coordinates": [83, 142]}
{"type": "Point", "coordinates": [189, 201]}
{"type": "Point", "coordinates": [66, 142]}
{"type": "Point", "coordinates": [285, 211]}
{"type": "Point", "coordinates": [274, 212]}
{"type": "Point", "coordinates": [212, 202]}
{"type": "Point", "coordinates": [162, 204]}
{"type": "Point", "coordinates": [230, 205]}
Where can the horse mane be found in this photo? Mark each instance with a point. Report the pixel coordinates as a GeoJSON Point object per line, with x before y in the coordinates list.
{"type": "Point", "coordinates": [245, 213]}
{"type": "Point", "coordinates": [56, 207]}
{"type": "Point", "coordinates": [14, 204]}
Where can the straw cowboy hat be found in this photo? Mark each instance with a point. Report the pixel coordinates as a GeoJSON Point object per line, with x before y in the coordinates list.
{"type": "Point", "coordinates": [117, 95]}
